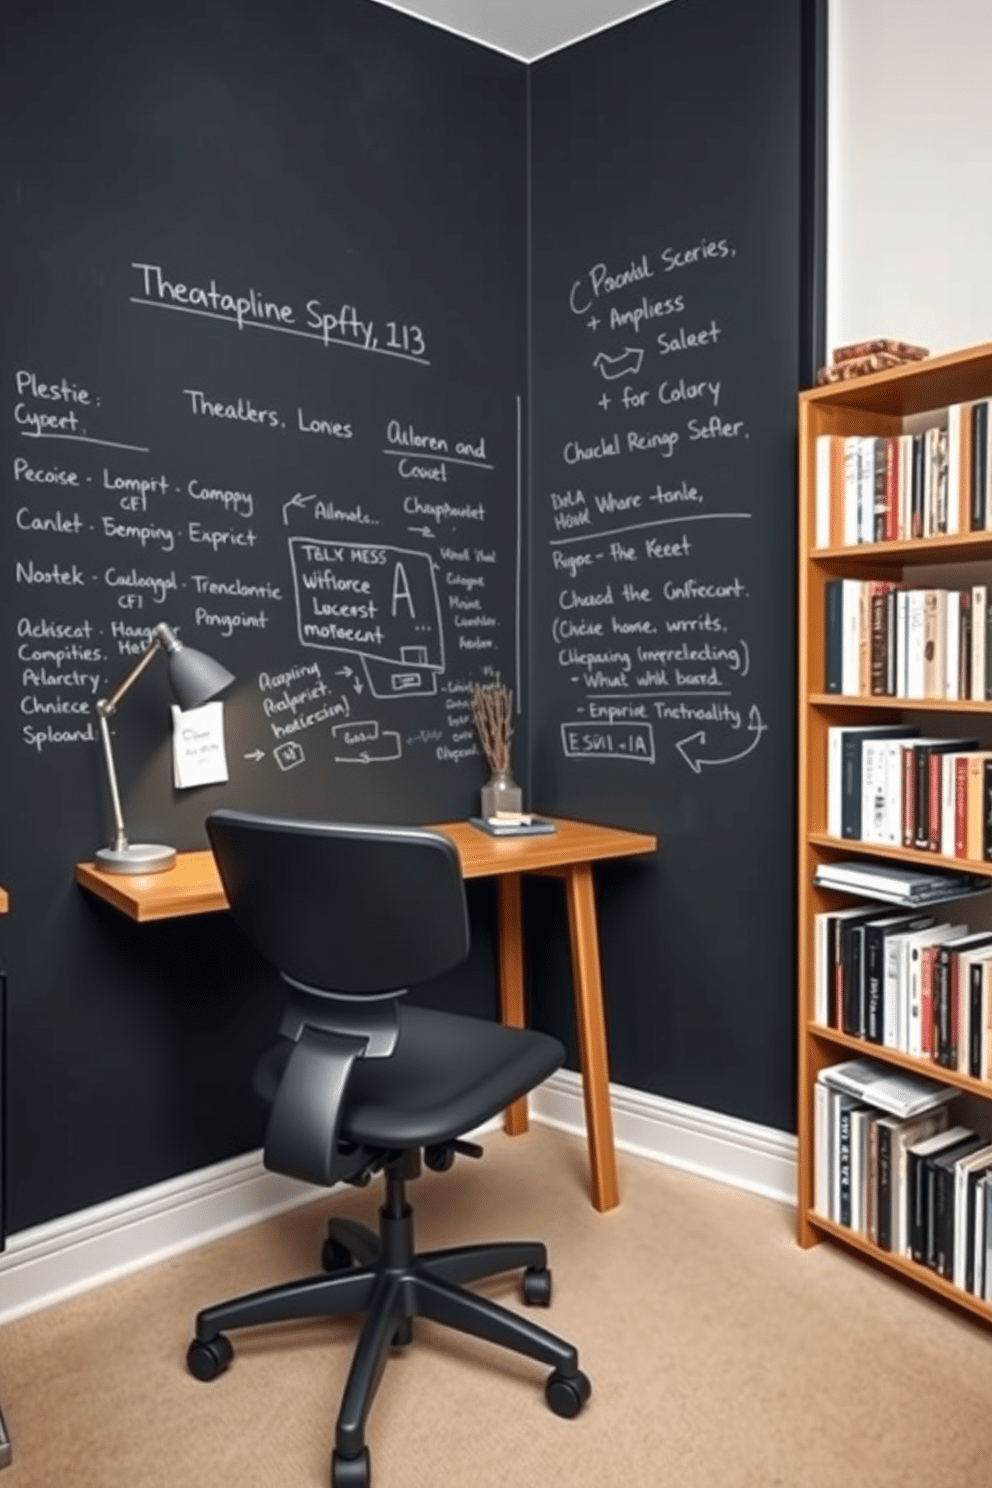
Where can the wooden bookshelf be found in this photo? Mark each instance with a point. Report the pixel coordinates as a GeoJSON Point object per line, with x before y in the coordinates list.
{"type": "Point", "coordinates": [876, 405]}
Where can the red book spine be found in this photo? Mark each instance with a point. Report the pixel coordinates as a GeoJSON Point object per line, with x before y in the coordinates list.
{"type": "Point", "coordinates": [927, 954]}
{"type": "Point", "coordinates": [933, 804]}
{"type": "Point", "coordinates": [961, 807]}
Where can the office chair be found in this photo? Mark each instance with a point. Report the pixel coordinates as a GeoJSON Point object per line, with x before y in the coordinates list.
{"type": "Point", "coordinates": [362, 1082]}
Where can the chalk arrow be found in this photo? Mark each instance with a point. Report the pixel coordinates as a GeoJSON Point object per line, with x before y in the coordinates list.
{"type": "Point", "coordinates": [296, 500]}
{"type": "Point", "coordinates": [692, 747]}
{"type": "Point", "coordinates": [627, 364]}
{"type": "Point", "coordinates": [256, 754]}
{"type": "Point", "coordinates": [424, 531]}
{"type": "Point", "coordinates": [344, 672]}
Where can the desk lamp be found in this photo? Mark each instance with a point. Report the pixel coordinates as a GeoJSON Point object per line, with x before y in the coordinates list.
{"type": "Point", "coordinates": [195, 679]}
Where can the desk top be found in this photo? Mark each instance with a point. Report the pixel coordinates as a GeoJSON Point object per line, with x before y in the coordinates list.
{"type": "Point", "coordinates": [193, 886]}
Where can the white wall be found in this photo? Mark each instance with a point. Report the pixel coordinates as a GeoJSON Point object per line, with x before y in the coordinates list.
{"type": "Point", "coordinates": [910, 172]}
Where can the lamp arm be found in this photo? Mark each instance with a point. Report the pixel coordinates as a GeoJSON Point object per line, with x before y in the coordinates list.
{"type": "Point", "coordinates": [120, 835]}
{"type": "Point", "coordinates": [106, 706]}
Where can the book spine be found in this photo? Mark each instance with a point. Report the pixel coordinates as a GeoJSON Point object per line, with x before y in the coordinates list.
{"type": "Point", "coordinates": [880, 521]}
{"type": "Point", "coordinates": [844, 1160]}
{"type": "Point", "coordinates": [987, 810]}
{"type": "Point", "coordinates": [853, 969]}
{"type": "Point", "coordinates": [833, 597]}
{"type": "Point", "coordinates": [883, 1207]}
{"type": "Point", "coordinates": [908, 795]}
{"type": "Point", "coordinates": [979, 435]}
{"type": "Point", "coordinates": [917, 1207]}
{"type": "Point", "coordinates": [960, 805]}
{"type": "Point", "coordinates": [975, 983]}
{"type": "Point", "coordinates": [917, 487]}
{"type": "Point", "coordinates": [928, 958]}
{"type": "Point", "coordinates": [921, 757]}
{"type": "Point", "coordinates": [941, 1004]}
{"type": "Point", "coordinates": [879, 640]}
{"type": "Point", "coordinates": [851, 775]}
{"type": "Point", "coordinates": [874, 969]}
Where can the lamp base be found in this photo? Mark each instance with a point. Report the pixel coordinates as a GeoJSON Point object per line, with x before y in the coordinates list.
{"type": "Point", "coordinates": [137, 857]}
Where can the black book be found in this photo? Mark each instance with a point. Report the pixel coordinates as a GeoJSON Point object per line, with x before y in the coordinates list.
{"type": "Point", "coordinates": [883, 1185]}
{"type": "Point", "coordinates": [917, 1156]}
{"type": "Point", "coordinates": [972, 1195]}
{"type": "Point", "coordinates": [852, 749]}
{"type": "Point", "coordinates": [853, 939]}
{"type": "Point", "coordinates": [876, 932]}
{"type": "Point", "coordinates": [844, 1161]}
{"type": "Point", "coordinates": [918, 487]}
{"type": "Point", "coordinates": [987, 810]}
{"type": "Point", "coordinates": [941, 1198]}
{"type": "Point", "coordinates": [834, 617]}
{"type": "Point", "coordinates": [975, 978]}
{"type": "Point", "coordinates": [946, 994]}
{"type": "Point", "coordinates": [979, 435]}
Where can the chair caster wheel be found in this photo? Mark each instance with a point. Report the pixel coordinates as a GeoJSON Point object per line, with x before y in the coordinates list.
{"type": "Point", "coordinates": [566, 1394]}
{"type": "Point", "coordinates": [351, 1472]}
{"type": "Point", "coordinates": [335, 1256]}
{"type": "Point", "coordinates": [205, 1360]}
{"type": "Point", "coordinates": [537, 1286]}
{"type": "Point", "coordinates": [440, 1158]}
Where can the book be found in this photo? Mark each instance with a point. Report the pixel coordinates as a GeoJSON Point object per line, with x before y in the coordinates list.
{"type": "Point", "coordinates": [496, 827]}
{"type": "Point", "coordinates": [898, 1092]}
{"type": "Point", "coordinates": [920, 1214]}
{"type": "Point", "coordinates": [893, 1136]}
{"type": "Point", "coordinates": [941, 1182]}
{"type": "Point", "coordinates": [906, 351]}
{"type": "Point", "coordinates": [896, 885]}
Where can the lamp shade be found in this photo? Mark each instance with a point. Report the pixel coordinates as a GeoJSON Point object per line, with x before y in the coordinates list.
{"type": "Point", "coordinates": [195, 677]}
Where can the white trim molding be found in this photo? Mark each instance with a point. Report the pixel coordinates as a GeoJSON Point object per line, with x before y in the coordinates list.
{"type": "Point", "coordinates": [742, 1154]}
{"type": "Point", "coordinates": [57, 1260]}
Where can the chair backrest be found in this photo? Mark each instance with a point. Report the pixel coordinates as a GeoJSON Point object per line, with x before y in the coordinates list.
{"type": "Point", "coordinates": [353, 909]}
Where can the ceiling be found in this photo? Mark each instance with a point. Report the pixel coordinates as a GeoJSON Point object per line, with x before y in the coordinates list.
{"type": "Point", "coordinates": [526, 29]}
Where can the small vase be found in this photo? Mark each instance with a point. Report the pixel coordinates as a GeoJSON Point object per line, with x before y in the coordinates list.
{"type": "Point", "coordinates": [501, 793]}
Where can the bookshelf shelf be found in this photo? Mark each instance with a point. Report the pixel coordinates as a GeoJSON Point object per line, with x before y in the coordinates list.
{"type": "Point", "coordinates": [901, 1265]}
{"type": "Point", "coordinates": [899, 401]}
{"type": "Point", "coordinates": [898, 854]}
{"type": "Point", "coordinates": [902, 705]}
{"type": "Point", "coordinates": [862, 1047]}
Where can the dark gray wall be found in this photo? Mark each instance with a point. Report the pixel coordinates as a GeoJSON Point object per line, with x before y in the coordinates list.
{"type": "Point", "coordinates": [366, 175]}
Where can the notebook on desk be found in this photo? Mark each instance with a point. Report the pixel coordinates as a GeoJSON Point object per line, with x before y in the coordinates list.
{"type": "Point", "coordinates": [497, 826]}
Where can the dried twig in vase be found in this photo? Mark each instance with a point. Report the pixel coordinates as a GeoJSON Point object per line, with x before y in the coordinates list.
{"type": "Point", "coordinates": [492, 711]}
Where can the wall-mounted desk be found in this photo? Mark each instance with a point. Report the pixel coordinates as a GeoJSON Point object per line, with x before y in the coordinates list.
{"type": "Point", "coordinates": [193, 887]}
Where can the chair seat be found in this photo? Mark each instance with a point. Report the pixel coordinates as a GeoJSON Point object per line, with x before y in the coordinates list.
{"type": "Point", "coordinates": [479, 1067]}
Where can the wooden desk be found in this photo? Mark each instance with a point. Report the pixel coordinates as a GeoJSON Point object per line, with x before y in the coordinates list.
{"type": "Point", "coordinates": [193, 887]}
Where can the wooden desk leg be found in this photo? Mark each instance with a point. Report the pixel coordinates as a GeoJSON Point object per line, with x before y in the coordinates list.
{"type": "Point", "coordinates": [511, 978]}
{"type": "Point", "coordinates": [591, 1026]}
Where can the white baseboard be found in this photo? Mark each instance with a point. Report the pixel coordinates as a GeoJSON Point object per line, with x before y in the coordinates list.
{"type": "Point", "coordinates": [56, 1260]}
{"type": "Point", "coordinates": [742, 1154]}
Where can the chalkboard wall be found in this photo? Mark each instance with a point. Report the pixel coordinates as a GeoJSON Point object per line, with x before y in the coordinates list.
{"type": "Point", "coordinates": [376, 364]}
{"type": "Point", "coordinates": [264, 357]}
{"type": "Point", "coordinates": [666, 340]}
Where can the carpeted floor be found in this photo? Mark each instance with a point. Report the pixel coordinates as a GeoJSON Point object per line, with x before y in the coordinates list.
{"type": "Point", "coordinates": [721, 1356]}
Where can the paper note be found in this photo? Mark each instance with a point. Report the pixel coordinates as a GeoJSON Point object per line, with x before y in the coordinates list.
{"type": "Point", "coordinates": [198, 754]}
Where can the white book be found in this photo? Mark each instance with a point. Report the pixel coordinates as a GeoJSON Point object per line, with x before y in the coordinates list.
{"type": "Point", "coordinates": [821, 1149]}
{"type": "Point", "coordinates": [823, 470]}
{"type": "Point", "coordinates": [866, 489]}
{"type": "Point", "coordinates": [915, 647]}
{"type": "Point", "coordinates": [894, 984]}
{"type": "Point", "coordinates": [893, 792]}
{"type": "Point", "coordinates": [873, 786]}
{"type": "Point", "coordinates": [978, 1256]}
{"type": "Point", "coordinates": [852, 455]}
{"type": "Point", "coordinates": [982, 1158]}
{"type": "Point", "coordinates": [902, 627]}
{"type": "Point", "coordinates": [979, 608]}
{"type": "Point", "coordinates": [821, 968]}
{"type": "Point", "coordinates": [952, 639]}
{"type": "Point", "coordinates": [956, 414]}
{"type": "Point", "coordinates": [850, 612]}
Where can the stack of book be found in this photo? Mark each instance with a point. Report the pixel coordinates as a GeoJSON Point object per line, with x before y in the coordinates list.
{"type": "Point", "coordinates": [904, 981]}
{"type": "Point", "coordinates": [863, 357]}
{"type": "Point", "coordinates": [909, 1181]}
{"type": "Point", "coordinates": [888, 784]}
{"type": "Point", "coordinates": [900, 487]}
{"type": "Point", "coordinates": [883, 640]}
{"type": "Point", "coordinates": [909, 887]}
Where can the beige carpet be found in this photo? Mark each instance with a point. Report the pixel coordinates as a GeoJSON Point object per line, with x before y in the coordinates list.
{"type": "Point", "coordinates": [721, 1356]}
